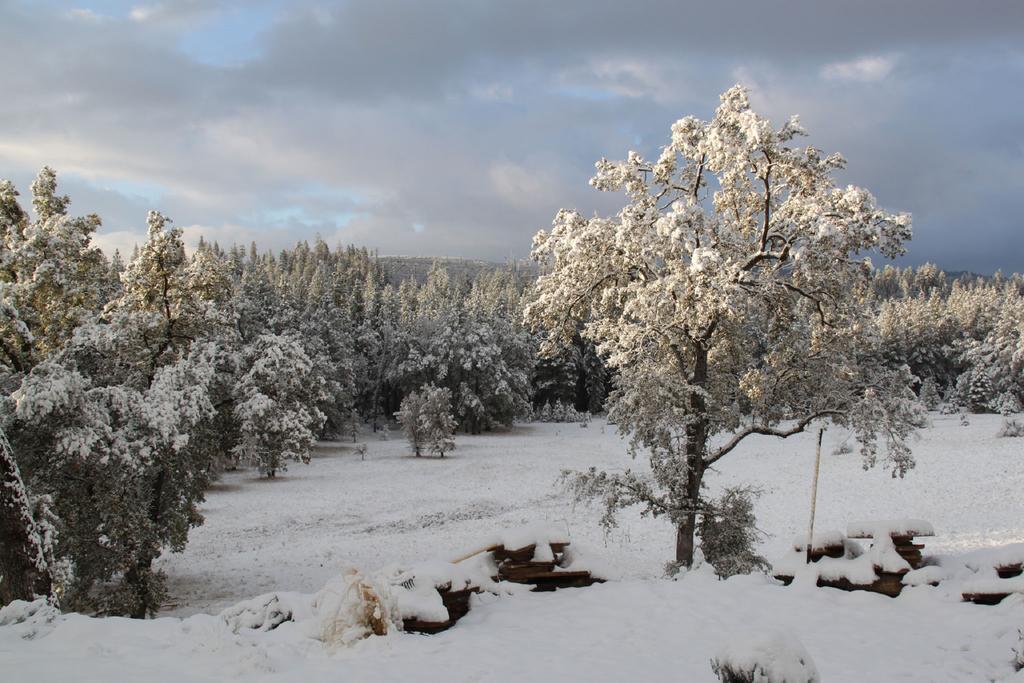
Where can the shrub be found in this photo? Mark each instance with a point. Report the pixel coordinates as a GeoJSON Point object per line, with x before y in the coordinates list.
{"type": "Point", "coordinates": [1012, 427]}
{"type": "Point", "coordinates": [729, 533]}
{"type": "Point", "coordinates": [765, 658]}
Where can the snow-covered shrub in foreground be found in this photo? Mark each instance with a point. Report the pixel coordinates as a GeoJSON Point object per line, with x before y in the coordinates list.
{"type": "Point", "coordinates": [765, 658]}
{"type": "Point", "coordinates": [353, 607]}
{"type": "Point", "coordinates": [1018, 660]}
{"type": "Point", "coordinates": [29, 618]}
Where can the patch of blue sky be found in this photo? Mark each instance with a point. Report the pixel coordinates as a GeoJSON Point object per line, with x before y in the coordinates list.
{"type": "Point", "coordinates": [151, 193]}
{"type": "Point", "coordinates": [232, 37]}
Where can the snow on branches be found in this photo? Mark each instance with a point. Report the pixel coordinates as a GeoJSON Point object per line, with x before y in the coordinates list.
{"type": "Point", "coordinates": [729, 295]}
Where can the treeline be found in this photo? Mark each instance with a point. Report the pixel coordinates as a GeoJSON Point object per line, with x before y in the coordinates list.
{"type": "Point", "coordinates": [126, 387]}
{"type": "Point", "coordinates": [962, 337]}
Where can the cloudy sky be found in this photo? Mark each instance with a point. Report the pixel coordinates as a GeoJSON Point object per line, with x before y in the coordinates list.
{"type": "Point", "coordinates": [459, 127]}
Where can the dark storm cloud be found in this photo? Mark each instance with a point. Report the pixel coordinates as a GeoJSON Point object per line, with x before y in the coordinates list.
{"type": "Point", "coordinates": [460, 127]}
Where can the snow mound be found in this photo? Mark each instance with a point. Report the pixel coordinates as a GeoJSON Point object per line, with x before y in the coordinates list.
{"type": "Point", "coordinates": [774, 657]}
{"type": "Point", "coordinates": [929, 575]}
{"type": "Point", "coordinates": [890, 527]}
{"type": "Point", "coordinates": [29, 619]}
{"type": "Point", "coordinates": [264, 612]}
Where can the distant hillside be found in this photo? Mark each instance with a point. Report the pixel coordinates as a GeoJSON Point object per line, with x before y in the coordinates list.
{"type": "Point", "coordinates": [402, 268]}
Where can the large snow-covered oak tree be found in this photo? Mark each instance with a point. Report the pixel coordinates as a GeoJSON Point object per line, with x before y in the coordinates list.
{"type": "Point", "coordinates": [729, 295]}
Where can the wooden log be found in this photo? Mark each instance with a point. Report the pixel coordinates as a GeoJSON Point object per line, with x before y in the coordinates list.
{"type": "Point", "coordinates": [887, 583]}
{"type": "Point", "coordinates": [419, 626]}
{"type": "Point", "coordinates": [1008, 571]}
{"type": "Point", "coordinates": [985, 598]}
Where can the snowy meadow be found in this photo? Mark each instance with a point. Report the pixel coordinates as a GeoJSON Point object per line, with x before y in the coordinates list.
{"type": "Point", "coordinates": [295, 534]}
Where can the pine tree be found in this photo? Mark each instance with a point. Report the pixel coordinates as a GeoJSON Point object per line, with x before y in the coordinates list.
{"type": "Point", "coordinates": [979, 391]}
{"type": "Point", "coordinates": [930, 394]}
{"type": "Point", "coordinates": [409, 416]}
{"type": "Point", "coordinates": [436, 420]}
{"type": "Point", "coordinates": [24, 560]}
{"type": "Point", "coordinates": [276, 404]}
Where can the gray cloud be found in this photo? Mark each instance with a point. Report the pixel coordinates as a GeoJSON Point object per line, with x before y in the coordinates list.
{"type": "Point", "coordinates": [475, 121]}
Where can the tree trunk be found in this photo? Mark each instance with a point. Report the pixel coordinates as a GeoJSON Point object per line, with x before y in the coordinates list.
{"type": "Point", "coordinates": [686, 531]}
{"type": "Point", "coordinates": [696, 445]}
{"type": "Point", "coordinates": [23, 572]}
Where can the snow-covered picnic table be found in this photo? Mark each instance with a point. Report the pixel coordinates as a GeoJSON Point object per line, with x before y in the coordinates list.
{"type": "Point", "coordinates": [901, 531]}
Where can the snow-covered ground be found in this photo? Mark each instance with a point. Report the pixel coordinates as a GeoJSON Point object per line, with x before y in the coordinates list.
{"type": "Point", "coordinates": [297, 532]}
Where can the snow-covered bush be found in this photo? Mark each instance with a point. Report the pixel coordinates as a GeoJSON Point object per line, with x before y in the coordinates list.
{"type": "Point", "coordinates": [1011, 427]}
{"type": "Point", "coordinates": [427, 420]}
{"type": "Point", "coordinates": [1006, 404]}
{"type": "Point", "coordinates": [1018, 660]}
{"type": "Point", "coordinates": [930, 394]}
{"type": "Point", "coordinates": [437, 420]}
{"type": "Point", "coordinates": [353, 607]}
{"type": "Point", "coordinates": [728, 534]}
{"type": "Point", "coordinates": [978, 390]}
{"type": "Point", "coordinates": [408, 416]}
{"type": "Point", "coordinates": [843, 447]}
{"type": "Point", "coordinates": [262, 613]}
{"type": "Point", "coordinates": [561, 412]}
{"type": "Point", "coordinates": [765, 658]}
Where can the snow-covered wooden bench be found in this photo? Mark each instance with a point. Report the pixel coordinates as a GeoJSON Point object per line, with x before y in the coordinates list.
{"type": "Point", "coordinates": [838, 563]}
{"type": "Point", "coordinates": [541, 563]}
{"type": "Point", "coordinates": [903, 533]}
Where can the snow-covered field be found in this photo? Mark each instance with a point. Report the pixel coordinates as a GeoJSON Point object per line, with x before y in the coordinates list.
{"type": "Point", "coordinates": [297, 532]}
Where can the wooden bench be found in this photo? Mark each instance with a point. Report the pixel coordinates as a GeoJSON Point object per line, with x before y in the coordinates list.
{"type": "Point", "coordinates": [515, 565]}
{"type": "Point", "coordinates": [902, 534]}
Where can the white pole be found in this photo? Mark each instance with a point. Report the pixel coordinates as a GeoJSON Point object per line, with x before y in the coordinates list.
{"type": "Point", "coordinates": [814, 495]}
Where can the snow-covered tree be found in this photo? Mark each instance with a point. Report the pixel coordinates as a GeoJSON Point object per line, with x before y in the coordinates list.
{"type": "Point", "coordinates": [50, 273]}
{"type": "Point", "coordinates": [979, 390]}
{"type": "Point", "coordinates": [731, 275]}
{"type": "Point", "coordinates": [24, 557]}
{"type": "Point", "coordinates": [929, 395]}
{"type": "Point", "coordinates": [276, 404]}
{"type": "Point", "coordinates": [408, 415]}
{"type": "Point", "coordinates": [436, 420]}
